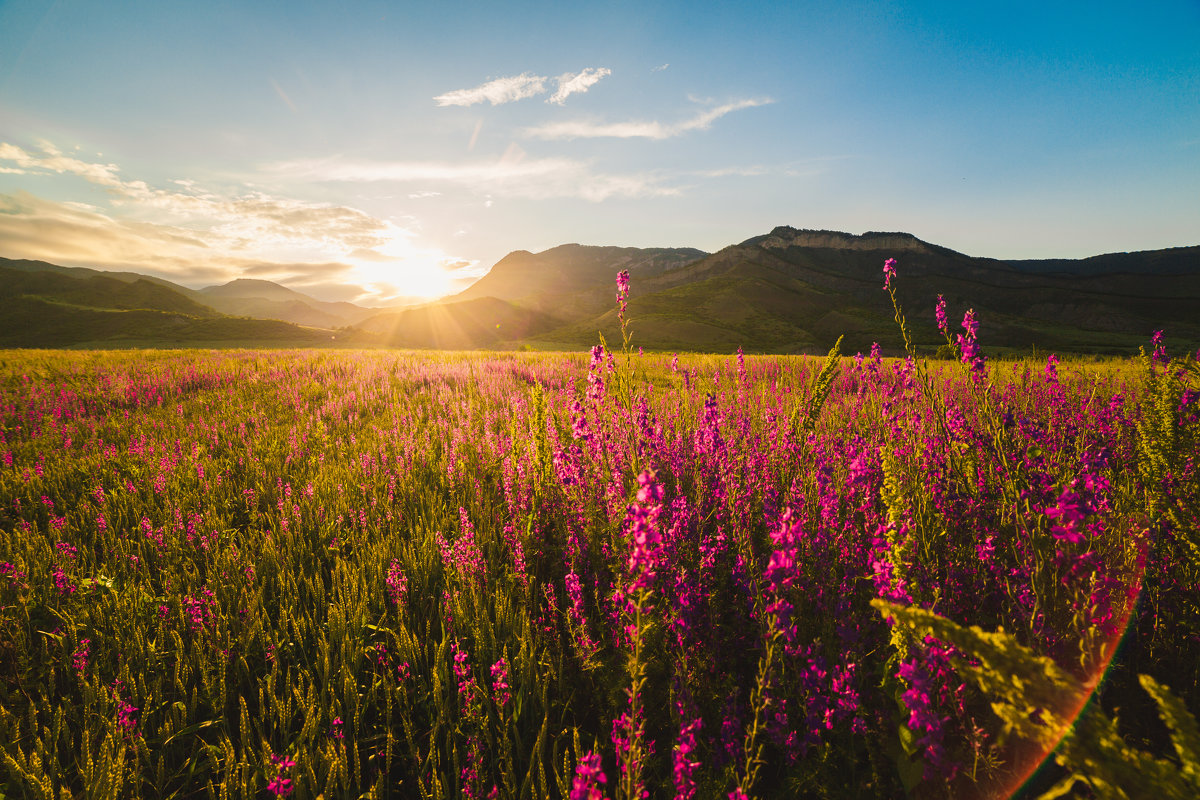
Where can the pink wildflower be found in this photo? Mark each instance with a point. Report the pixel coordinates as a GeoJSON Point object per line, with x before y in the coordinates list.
{"type": "Point", "coordinates": [889, 272]}
{"type": "Point", "coordinates": [500, 682]}
{"type": "Point", "coordinates": [588, 776]}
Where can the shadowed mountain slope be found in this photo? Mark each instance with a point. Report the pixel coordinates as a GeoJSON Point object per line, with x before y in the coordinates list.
{"type": "Point", "coordinates": [572, 280]}
{"type": "Point", "coordinates": [97, 290]}
{"type": "Point", "coordinates": [42, 305]}
{"type": "Point", "coordinates": [798, 290]}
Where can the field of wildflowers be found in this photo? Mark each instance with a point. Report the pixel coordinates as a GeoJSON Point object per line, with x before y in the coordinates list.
{"type": "Point", "coordinates": [424, 574]}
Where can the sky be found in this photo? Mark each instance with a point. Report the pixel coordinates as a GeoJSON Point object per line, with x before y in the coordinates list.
{"type": "Point", "coordinates": [385, 152]}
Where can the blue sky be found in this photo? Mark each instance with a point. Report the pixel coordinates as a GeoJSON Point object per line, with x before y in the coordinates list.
{"type": "Point", "coordinates": [403, 151]}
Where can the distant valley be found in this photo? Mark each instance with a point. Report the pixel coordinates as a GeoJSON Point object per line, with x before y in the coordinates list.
{"type": "Point", "coordinates": [786, 291]}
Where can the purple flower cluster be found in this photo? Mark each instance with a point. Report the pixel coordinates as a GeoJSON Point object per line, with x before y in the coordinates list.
{"type": "Point", "coordinates": [281, 784]}
{"type": "Point", "coordinates": [463, 556]}
{"type": "Point", "coordinates": [397, 584]}
{"type": "Point", "coordinates": [589, 777]}
{"type": "Point", "coordinates": [622, 293]}
{"type": "Point", "coordinates": [500, 687]}
{"type": "Point", "coordinates": [1083, 498]}
{"type": "Point", "coordinates": [201, 610]}
{"type": "Point", "coordinates": [642, 524]}
{"type": "Point", "coordinates": [79, 659]}
{"type": "Point", "coordinates": [686, 760]}
{"type": "Point", "coordinates": [968, 344]}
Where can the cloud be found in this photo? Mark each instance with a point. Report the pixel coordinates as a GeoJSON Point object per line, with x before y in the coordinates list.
{"type": "Point", "coordinates": [191, 235]}
{"type": "Point", "coordinates": [579, 82]}
{"type": "Point", "coordinates": [500, 90]}
{"type": "Point", "coordinates": [512, 175]}
{"type": "Point", "coordinates": [660, 68]}
{"type": "Point", "coordinates": [584, 129]}
{"type": "Point", "coordinates": [52, 160]}
{"type": "Point", "coordinates": [295, 273]}
{"type": "Point", "coordinates": [725, 172]}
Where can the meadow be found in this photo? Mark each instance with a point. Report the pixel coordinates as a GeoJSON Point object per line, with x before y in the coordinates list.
{"type": "Point", "coordinates": [518, 575]}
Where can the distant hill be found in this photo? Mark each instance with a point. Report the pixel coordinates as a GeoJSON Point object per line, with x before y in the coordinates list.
{"type": "Point", "coordinates": [266, 300]}
{"type": "Point", "coordinates": [27, 265]}
{"type": "Point", "coordinates": [97, 291]}
{"type": "Point", "coordinates": [44, 305]}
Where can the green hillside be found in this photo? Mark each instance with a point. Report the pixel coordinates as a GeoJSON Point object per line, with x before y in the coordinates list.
{"type": "Point", "coordinates": [787, 291]}
{"type": "Point", "coordinates": [97, 291]}
{"type": "Point", "coordinates": [798, 291]}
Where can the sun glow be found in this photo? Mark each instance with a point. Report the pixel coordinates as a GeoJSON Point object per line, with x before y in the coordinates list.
{"type": "Point", "coordinates": [401, 269]}
{"type": "Point", "coordinates": [396, 279]}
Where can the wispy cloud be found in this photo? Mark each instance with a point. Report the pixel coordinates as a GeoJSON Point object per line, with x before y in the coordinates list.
{"type": "Point", "coordinates": [660, 68]}
{"type": "Point", "coordinates": [586, 129]}
{"type": "Point", "coordinates": [520, 87]}
{"type": "Point", "coordinates": [726, 172]}
{"type": "Point", "coordinates": [500, 90]}
{"type": "Point", "coordinates": [193, 235]}
{"type": "Point", "coordinates": [511, 175]}
{"type": "Point", "coordinates": [52, 160]}
{"type": "Point", "coordinates": [571, 83]}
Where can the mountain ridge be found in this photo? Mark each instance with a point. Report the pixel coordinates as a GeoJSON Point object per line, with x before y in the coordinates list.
{"type": "Point", "coordinates": [787, 290]}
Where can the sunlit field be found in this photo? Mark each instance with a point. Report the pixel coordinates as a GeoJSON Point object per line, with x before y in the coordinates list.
{"type": "Point", "coordinates": [515, 575]}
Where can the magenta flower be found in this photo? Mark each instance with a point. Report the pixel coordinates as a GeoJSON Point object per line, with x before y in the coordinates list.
{"type": "Point", "coordinates": [15, 576]}
{"type": "Point", "coordinates": [643, 526]}
{"type": "Point", "coordinates": [685, 762]}
{"type": "Point", "coordinates": [1071, 513]}
{"type": "Point", "coordinates": [968, 344]}
{"type": "Point", "coordinates": [589, 775]}
{"type": "Point", "coordinates": [464, 556]}
{"type": "Point", "coordinates": [889, 272]}
{"type": "Point", "coordinates": [500, 682]}
{"type": "Point", "coordinates": [80, 657]}
{"type": "Point", "coordinates": [125, 716]}
{"type": "Point", "coordinates": [397, 584]}
{"type": "Point", "coordinates": [595, 377]}
{"type": "Point", "coordinates": [1052, 369]}
{"type": "Point", "coordinates": [281, 785]}
{"type": "Point", "coordinates": [62, 583]}
{"type": "Point", "coordinates": [940, 314]}
{"type": "Point", "coordinates": [1160, 349]}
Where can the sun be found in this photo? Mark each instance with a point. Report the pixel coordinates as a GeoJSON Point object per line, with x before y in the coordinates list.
{"type": "Point", "coordinates": [414, 278]}
{"type": "Point", "coordinates": [399, 267]}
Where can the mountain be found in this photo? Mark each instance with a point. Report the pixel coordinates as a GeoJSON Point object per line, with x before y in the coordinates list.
{"type": "Point", "coordinates": [99, 290]}
{"type": "Point", "coordinates": [27, 265]}
{"type": "Point", "coordinates": [245, 297]}
{"type": "Point", "coordinates": [795, 290]}
{"type": "Point", "coordinates": [789, 290]}
{"type": "Point", "coordinates": [799, 289]}
{"type": "Point", "coordinates": [45, 305]}
{"type": "Point", "coordinates": [572, 280]}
